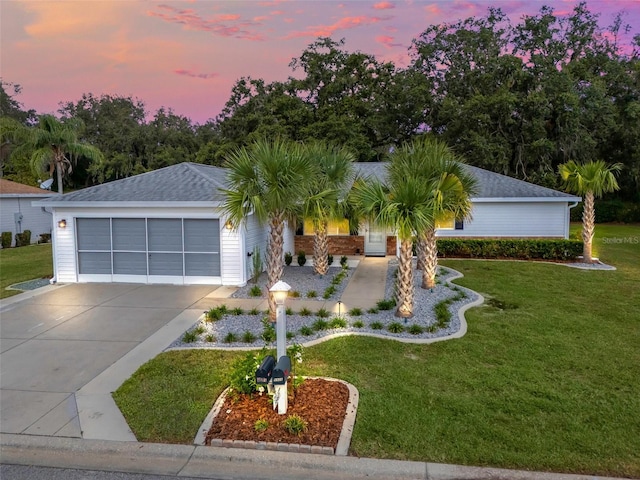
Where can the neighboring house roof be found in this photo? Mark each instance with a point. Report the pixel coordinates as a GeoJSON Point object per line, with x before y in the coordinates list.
{"type": "Point", "coordinates": [491, 186]}
{"type": "Point", "coordinates": [194, 183]}
{"type": "Point", "coordinates": [15, 189]}
{"type": "Point", "coordinates": [184, 182]}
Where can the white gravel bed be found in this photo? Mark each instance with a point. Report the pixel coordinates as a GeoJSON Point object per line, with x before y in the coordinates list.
{"type": "Point", "coordinates": [424, 316]}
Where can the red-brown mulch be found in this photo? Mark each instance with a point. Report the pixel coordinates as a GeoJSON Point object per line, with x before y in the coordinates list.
{"type": "Point", "coordinates": [321, 403]}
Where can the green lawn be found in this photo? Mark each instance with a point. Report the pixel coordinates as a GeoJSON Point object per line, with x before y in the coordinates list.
{"type": "Point", "coordinates": [551, 384]}
{"type": "Point", "coordinates": [22, 264]}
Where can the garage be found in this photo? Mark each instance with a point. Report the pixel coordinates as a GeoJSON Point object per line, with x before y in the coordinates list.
{"type": "Point", "coordinates": [148, 250]}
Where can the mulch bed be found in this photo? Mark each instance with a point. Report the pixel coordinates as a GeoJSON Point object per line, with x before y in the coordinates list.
{"type": "Point", "coordinates": [321, 403]}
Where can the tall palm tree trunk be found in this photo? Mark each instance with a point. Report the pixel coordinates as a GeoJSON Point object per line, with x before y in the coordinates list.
{"type": "Point", "coordinates": [321, 249]}
{"type": "Point", "coordinates": [420, 251]}
{"type": "Point", "coordinates": [588, 226]}
{"type": "Point", "coordinates": [430, 259]}
{"type": "Point", "coordinates": [405, 280]}
{"type": "Point", "coordinates": [274, 258]}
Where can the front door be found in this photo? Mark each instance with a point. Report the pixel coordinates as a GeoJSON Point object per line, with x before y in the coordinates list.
{"type": "Point", "coordinates": [375, 241]}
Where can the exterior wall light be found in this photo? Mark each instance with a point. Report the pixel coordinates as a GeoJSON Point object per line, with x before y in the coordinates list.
{"type": "Point", "coordinates": [228, 225]}
{"type": "Point", "coordinates": [62, 223]}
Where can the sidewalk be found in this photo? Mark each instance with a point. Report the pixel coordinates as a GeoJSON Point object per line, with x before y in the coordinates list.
{"type": "Point", "coordinates": [367, 285]}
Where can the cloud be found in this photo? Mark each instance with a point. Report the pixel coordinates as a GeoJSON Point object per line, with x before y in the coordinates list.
{"type": "Point", "coordinates": [224, 25]}
{"type": "Point", "coordinates": [387, 41]}
{"type": "Point", "coordinates": [189, 73]}
{"type": "Point", "coordinates": [433, 9]}
{"type": "Point", "coordinates": [383, 6]}
{"type": "Point", "coordinates": [345, 23]}
{"type": "Point", "coordinates": [54, 19]}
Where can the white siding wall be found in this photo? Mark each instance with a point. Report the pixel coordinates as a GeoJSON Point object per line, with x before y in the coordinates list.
{"type": "Point", "coordinates": [530, 219]}
{"type": "Point", "coordinates": [64, 245]}
{"type": "Point", "coordinates": [33, 218]}
{"type": "Point", "coordinates": [255, 236]}
{"type": "Point", "coordinates": [232, 262]}
{"type": "Point", "coordinates": [289, 238]}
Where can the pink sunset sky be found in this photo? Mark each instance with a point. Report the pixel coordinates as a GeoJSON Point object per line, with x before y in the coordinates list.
{"type": "Point", "coordinates": [186, 55]}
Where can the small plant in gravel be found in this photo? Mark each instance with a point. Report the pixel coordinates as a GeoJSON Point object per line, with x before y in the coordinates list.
{"type": "Point", "coordinates": [288, 258]}
{"type": "Point", "coordinates": [261, 425]}
{"type": "Point", "coordinates": [305, 312]}
{"type": "Point", "coordinates": [395, 327]}
{"type": "Point", "coordinates": [415, 329]}
{"type": "Point", "coordinates": [330, 290]}
{"type": "Point", "coordinates": [230, 338]}
{"type": "Point", "coordinates": [248, 337]}
{"type": "Point", "coordinates": [294, 294]}
{"type": "Point", "coordinates": [338, 322]}
{"type": "Point", "coordinates": [312, 294]}
{"type": "Point", "coordinates": [289, 311]}
{"type": "Point", "coordinates": [306, 330]}
{"type": "Point", "coordinates": [223, 309]}
{"type": "Point", "coordinates": [320, 324]}
{"type": "Point", "coordinates": [291, 335]}
{"type": "Point", "coordinates": [269, 331]}
{"type": "Point", "coordinates": [376, 325]}
{"type": "Point", "coordinates": [255, 291]}
{"type": "Point", "coordinates": [302, 258]}
{"type": "Point", "coordinates": [237, 311]}
{"type": "Point", "coordinates": [213, 314]}
{"type": "Point", "coordinates": [323, 313]}
{"type": "Point", "coordinates": [355, 312]}
{"type": "Point", "coordinates": [190, 336]}
{"type": "Point", "coordinates": [443, 315]}
{"type": "Point", "coordinates": [358, 324]}
{"type": "Point", "coordinates": [344, 261]}
{"type": "Point", "coordinates": [386, 304]}
{"type": "Point", "coordinates": [211, 338]}
{"type": "Point", "coordinates": [295, 424]}
{"type": "Point", "coordinates": [373, 310]}
{"type": "Point", "coordinates": [254, 311]}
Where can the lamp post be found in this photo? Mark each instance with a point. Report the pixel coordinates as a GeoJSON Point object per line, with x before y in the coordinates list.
{"type": "Point", "coordinates": [280, 290]}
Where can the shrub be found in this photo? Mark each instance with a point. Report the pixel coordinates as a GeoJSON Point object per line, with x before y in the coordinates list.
{"type": "Point", "coordinates": [320, 324]}
{"type": "Point", "coordinates": [269, 331]}
{"type": "Point", "coordinates": [44, 238]}
{"type": "Point", "coordinates": [213, 314]}
{"type": "Point", "coordinates": [243, 373]}
{"type": "Point", "coordinates": [522, 249]}
{"type": "Point", "coordinates": [395, 327]}
{"type": "Point", "coordinates": [261, 425]}
{"type": "Point", "coordinates": [237, 311]}
{"type": "Point", "coordinates": [289, 311]}
{"type": "Point", "coordinates": [323, 313]}
{"type": "Point", "coordinates": [248, 337]}
{"type": "Point", "coordinates": [338, 322]}
{"type": "Point", "coordinates": [330, 290]}
{"type": "Point", "coordinates": [443, 315]}
{"type": "Point", "coordinates": [312, 294]}
{"type": "Point", "coordinates": [329, 259]}
{"type": "Point", "coordinates": [254, 311]}
{"type": "Point", "coordinates": [302, 258]}
{"type": "Point", "coordinates": [415, 329]}
{"type": "Point", "coordinates": [355, 312]}
{"type": "Point", "coordinates": [255, 291]}
{"type": "Point", "coordinates": [358, 324]}
{"type": "Point", "coordinates": [23, 239]}
{"type": "Point", "coordinates": [210, 338]}
{"type": "Point", "coordinates": [295, 424]}
{"type": "Point", "coordinates": [230, 338]}
{"type": "Point", "coordinates": [6, 239]}
{"type": "Point", "coordinates": [306, 330]}
{"type": "Point", "coordinates": [290, 335]}
{"type": "Point", "coordinates": [376, 325]}
{"type": "Point", "coordinates": [190, 336]}
{"type": "Point", "coordinates": [256, 263]}
{"type": "Point", "coordinates": [386, 304]}
{"type": "Point", "coordinates": [294, 294]}
{"type": "Point", "coordinates": [344, 261]}
{"type": "Point", "coordinates": [373, 310]}
{"type": "Point", "coordinates": [288, 258]}
{"type": "Point", "coordinates": [305, 312]}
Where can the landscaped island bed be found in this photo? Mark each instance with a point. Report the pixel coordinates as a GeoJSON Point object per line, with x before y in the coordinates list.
{"type": "Point", "coordinates": [546, 377]}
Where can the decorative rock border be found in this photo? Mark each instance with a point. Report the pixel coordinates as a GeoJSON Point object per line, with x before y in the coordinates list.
{"type": "Point", "coordinates": [342, 447]}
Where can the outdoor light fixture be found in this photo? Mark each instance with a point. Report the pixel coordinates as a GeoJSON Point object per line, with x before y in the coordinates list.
{"type": "Point", "coordinates": [280, 290]}
{"type": "Point", "coordinates": [339, 307]}
{"type": "Point", "coordinates": [228, 225]}
{"type": "Point", "coordinates": [62, 223]}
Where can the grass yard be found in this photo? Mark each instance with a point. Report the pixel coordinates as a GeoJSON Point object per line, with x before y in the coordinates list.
{"type": "Point", "coordinates": [22, 264]}
{"type": "Point", "coordinates": [545, 380]}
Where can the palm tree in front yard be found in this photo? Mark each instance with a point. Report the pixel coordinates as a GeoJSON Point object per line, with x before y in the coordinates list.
{"type": "Point", "coordinates": [590, 180]}
{"type": "Point", "coordinates": [268, 179]}
{"type": "Point", "coordinates": [326, 199]}
{"type": "Point", "coordinates": [403, 204]}
{"type": "Point", "coordinates": [450, 190]}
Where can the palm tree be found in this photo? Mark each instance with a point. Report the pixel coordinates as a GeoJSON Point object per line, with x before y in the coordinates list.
{"type": "Point", "coordinates": [450, 191]}
{"type": "Point", "coordinates": [269, 179]}
{"type": "Point", "coordinates": [326, 199]}
{"type": "Point", "coordinates": [56, 146]}
{"type": "Point", "coordinates": [590, 180]}
{"type": "Point", "coordinates": [402, 203]}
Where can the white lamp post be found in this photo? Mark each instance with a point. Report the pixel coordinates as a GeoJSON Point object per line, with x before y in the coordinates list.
{"type": "Point", "coordinates": [280, 290]}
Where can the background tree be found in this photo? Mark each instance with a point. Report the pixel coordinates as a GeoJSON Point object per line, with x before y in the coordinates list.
{"type": "Point", "coordinates": [590, 180]}
{"type": "Point", "coordinates": [267, 178]}
{"type": "Point", "coordinates": [326, 199]}
{"type": "Point", "coordinates": [56, 147]}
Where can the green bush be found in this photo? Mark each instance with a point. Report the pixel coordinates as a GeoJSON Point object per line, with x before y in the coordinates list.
{"type": "Point", "coordinates": [320, 324]}
{"type": "Point", "coordinates": [338, 322]}
{"type": "Point", "coordinates": [288, 258]}
{"type": "Point", "coordinates": [243, 373]}
{"type": "Point", "coordinates": [386, 304]}
{"type": "Point", "coordinates": [305, 330]}
{"type": "Point", "coordinates": [44, 238]}
{"type": "Point", "coordinates": [355, 312]}
{"type": "Point", "coordinates": [358, 324]}
{"type": "Point", "coordinates": [395, 327]}
{"type": "Point", "coordinates": [230, 338]}
{"type": "Point", "coordinates": [269, 330]}
{"type": "Point", "coordinates": [304, 311]}
{"type": "Point", "coordinates": [610, 211]}
{"type": "Point", "coordinates": [295, 424]}
{"type": "Point", "coordinates": [522, 249]}
{"type": "Point", "coordinates": [248, 337]}
{"type": "Point", "coordinates": [323, 313]}
{"type": "Point", "coordinates": [312, 294]}
{"type": "Point", "coordinates": [343, 261]}
{"type": "Point", "coordinates": [255, 291]}
{"type": "Point", "coordinates": [415, 329]}
{"type": "Point", "coordinates": [302, 258]}
{"type": "Point", "coordinates": [23, 239]}
{"type": "Point", "coordinates": [6, 239]}
{"type": "Point", "coordinates": [329, 259]}
{"type": "Point", "coordinates": [376, 325]}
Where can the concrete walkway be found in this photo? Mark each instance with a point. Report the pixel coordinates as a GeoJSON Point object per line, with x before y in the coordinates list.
{"type": "Point", "coordinates": [367, 285]}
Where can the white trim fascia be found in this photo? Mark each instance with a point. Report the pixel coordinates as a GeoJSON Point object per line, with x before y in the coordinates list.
{"type": "Point", "coordinates": [117, 204]}
{"type": "Point", "coordinates": [526, 199]}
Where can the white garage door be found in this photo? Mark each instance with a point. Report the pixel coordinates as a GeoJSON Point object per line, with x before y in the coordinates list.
{"type": "Point", "coordinates": [154, 250]}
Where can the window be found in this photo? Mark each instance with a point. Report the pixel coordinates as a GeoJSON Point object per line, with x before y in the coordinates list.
{"type": "Point", "coordinates": [335, 227]}
{"type": "Point", "coordinates": [446, 222]}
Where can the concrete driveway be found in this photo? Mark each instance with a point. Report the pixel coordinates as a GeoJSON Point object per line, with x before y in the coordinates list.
{"type": "Point", "coordinates": [54, 343]}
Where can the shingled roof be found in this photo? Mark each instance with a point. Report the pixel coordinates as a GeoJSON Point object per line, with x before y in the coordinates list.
{"type": "Point", "coordinates": [7, 187]}
{"type": "Point", "coordinates": [490, 185]}
{"type": "Point", "coordinates": [193, 182]}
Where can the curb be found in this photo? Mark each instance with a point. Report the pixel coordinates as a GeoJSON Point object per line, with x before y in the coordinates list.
{"type": "Point", "coordinates": [197, 461]}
